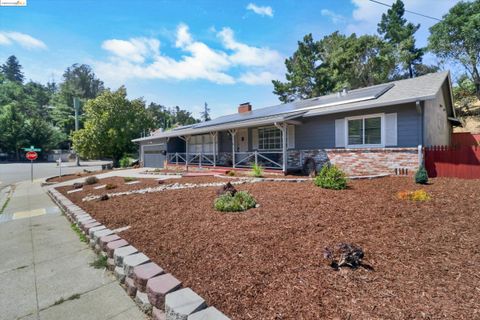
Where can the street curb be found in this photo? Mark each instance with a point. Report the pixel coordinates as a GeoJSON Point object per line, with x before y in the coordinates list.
{"type": "Point", "coordinates": [184, 303]}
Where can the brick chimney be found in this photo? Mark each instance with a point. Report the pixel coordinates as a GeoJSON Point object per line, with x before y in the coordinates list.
{"type": "Point", "coordinates": [244, 107]}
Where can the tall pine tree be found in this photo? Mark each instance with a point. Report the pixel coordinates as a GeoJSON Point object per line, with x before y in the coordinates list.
{"type": "Point", "coordinates": [12, 70]}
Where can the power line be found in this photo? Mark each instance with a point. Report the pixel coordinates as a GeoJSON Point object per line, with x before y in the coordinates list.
{"type": "Point", "coordinates": [412, 12]}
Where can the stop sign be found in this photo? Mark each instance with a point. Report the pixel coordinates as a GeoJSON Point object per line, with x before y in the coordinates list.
{"type": "Point", "coordinates": [31, 155]}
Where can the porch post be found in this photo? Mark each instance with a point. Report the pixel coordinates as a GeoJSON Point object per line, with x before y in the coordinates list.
{"type": "Point", "coordinates": [214, 138]}
{"type": "Point", "coordinates": [186, 152]}
{"type": "Point", "coordinates": [283, 128]}
{"type": "Point", "coordinates": [233, 132]}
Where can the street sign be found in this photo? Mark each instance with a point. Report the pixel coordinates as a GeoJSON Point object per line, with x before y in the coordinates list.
{"type": "Point", "coordinates": [32, 148]}
{"type": "Point", "coordinates": [31, 155]}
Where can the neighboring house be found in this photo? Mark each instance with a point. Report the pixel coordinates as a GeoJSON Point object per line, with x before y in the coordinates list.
{"type": "Point", "coordinates": [373, 130]}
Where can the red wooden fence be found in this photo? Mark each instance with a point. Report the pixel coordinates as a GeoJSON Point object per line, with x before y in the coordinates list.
{"type": "Point", "coordinates": [465, 139]}
{"type": "Point", "coordinates": [457, 161]}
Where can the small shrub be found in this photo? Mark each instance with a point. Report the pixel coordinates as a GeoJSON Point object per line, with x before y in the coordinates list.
{"type": "Point", "coordinates": [110, 186]}
{"type": "Point", "coordinates": [128, 179]}
{"type": "Point", "coordinates": [257, 171]}
{"type": "Point", "coordinates": [91, 180]}
{"type": "Point", "coordinates": [331, 177]}
{"type": "Point", "coordinates": [241, 201]}
{"type": "Point", "coordinates": [231, 173]}
{"type": "Point", "coordinates": [125, 161]}
{"type": "Point", "coordinates": [227, 188]}
{"type": "Point", "coordinates": [417, 195]}
{"type": "Point", "coordinates": [100, 262]}
{"type": "Point", "coordinates": [421, 176]}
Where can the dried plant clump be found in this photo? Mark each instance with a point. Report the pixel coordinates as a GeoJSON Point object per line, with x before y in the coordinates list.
{"type": "Point", "coordinates": [227, 188]}
{"type": "Point", "coordinates": [417, 195]}
{"type": "Point", "coordinates": [104, 197]}
{"type": "Point", "coordinates": [345, 255]}
{"type": "Point", "coordinates": [110, 186]}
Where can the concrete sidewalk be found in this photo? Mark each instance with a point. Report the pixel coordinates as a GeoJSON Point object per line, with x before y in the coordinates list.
{"type": "Point", "coordinates": [44, 268]}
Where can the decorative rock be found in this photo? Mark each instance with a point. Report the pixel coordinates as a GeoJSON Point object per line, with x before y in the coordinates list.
{"type": "Point", "coordinates": [211, 313]}
{"type": "Point", "coordinates": [110, 264]}
{"type": "Point", "coordinates": [120, 253]}
{"type": "Point", "coordinates": [111, 246]}
{"type": "Point", "coordinates": [119, 274]}
{"type": "Point", "coordinates": [132, 261]}
{"type": "Point", "coordinates": [130, 287]}
{"type": "Point", "coordinates": [74, 190]}
{"type": "Point", "coordinates": [142, 273]}
{"type": "Point", "coordinates": [91, 230]}
{"type": "Point", "coordinates": [106, 239]}
{"type": "Point", "coordinates": [158, 287]}
{"type": "Point", "coordinates": [182, 303]}
{"type": "Point", "coordinates": [158, 314]}
{"type": "Point", "coordinates": [141, 299]}
{"type": "Point", "coordinates": [100, 187]}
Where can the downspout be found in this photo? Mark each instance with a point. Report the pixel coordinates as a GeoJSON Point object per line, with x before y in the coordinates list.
{"type": "Point", "coordinates": [420, 106]}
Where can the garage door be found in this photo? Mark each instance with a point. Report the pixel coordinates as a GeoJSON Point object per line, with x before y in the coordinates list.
{"type": "Point", "coordinates": [153, 156]}
{"type": "Point", "coordinates": [154, 160]}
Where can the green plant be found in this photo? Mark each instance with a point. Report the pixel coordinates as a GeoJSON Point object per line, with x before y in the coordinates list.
{"type": "Point", "coordinates": [331, 177]}
{"type": "Point", "coordinates": [79, 232]}
{"type": "Point", "coordinates": [231, 173]}
{"type": "Point", "coordinates": [100, 262]}
{"type": "Point", "coordinates": [91, 180]}
{"type": "Point", "coordinates": [241, 201]}
{"type": "Point", "coordinates": [257, 171]}
{"type": "Point", "coordinates": [421, 176]}
{"type": "Point", "coordinates": [110, 186]}
{"type": "Point", "coordinates": [128, 179]}
{"type": "Point", "coordinates": [125, 161]}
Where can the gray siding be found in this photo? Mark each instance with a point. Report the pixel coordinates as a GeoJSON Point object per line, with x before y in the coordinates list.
{"type": "Point", "coordinates": [319, 132]}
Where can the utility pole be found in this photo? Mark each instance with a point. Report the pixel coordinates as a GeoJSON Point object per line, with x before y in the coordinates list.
{"type": "Point", "coordinates": [76, 106]}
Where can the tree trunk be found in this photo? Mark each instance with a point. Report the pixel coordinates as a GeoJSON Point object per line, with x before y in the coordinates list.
{"type": "Point", "coordinates": [410, 70]}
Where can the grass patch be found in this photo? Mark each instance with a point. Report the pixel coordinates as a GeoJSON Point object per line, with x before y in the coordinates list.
{"type": "Point", "coordinates": [79, 232]}
{"type": "Point", "coordinates": [128, 179]}
{"type": "Point", "coordinates": [100, 262]}
{"type": "Point", "coordinates": [5, 204]}
{"type": "Point", "coordinates": [62, 300]}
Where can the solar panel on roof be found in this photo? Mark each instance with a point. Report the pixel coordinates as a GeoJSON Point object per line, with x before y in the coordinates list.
{"type": "Point", "coordinates": [318, 102]}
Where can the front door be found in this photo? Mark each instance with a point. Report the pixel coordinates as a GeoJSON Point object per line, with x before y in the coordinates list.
{"type": "Point", "coordinates": [241, 140]}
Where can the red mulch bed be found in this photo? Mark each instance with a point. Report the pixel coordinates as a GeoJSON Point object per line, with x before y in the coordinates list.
{"type": "Point", "coordinates": [80, 174]}
{"type": "Point", "coordinates": [267, 263]}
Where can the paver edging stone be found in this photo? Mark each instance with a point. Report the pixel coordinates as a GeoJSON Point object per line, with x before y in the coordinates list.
{"type": "Point", "coordinates": [186, 309]}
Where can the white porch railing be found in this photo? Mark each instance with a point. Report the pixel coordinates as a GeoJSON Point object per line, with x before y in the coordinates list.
{"type": "Point", "coordinates": [191, 158]}
{"type": "Point", "coordinates": [268, 159]}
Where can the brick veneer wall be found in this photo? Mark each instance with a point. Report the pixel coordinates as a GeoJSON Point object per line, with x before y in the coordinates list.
{"type": "Point", "coordinates": [358, 162]}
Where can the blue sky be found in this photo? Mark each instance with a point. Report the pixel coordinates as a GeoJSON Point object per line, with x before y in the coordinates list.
{"type": "Point", "coordinates": [184, 52]}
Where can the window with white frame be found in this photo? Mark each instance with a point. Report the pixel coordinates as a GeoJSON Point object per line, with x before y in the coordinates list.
{"type": "Point", "coordinates": [269, 138]}
{"type": "Point", "coordinates": [365, 131]}
{"type": "Point", "coordinates": [200, 144]}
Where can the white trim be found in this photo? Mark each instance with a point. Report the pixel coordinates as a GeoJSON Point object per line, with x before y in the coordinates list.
{"type": "Point", "coordinates": [382, 131]}
{"type": "Point", "coordinates": [267, 127]}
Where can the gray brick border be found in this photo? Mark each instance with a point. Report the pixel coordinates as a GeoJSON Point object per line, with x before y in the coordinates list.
{"type": "Point", "coordinates": [100, 236]}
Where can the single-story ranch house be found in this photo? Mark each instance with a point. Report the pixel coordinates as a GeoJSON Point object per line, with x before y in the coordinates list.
{"type": "Point", "coordinates": [375, 130]}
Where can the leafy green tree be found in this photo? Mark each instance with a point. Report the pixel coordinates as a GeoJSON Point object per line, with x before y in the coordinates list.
{"type": "Point", "coordinates": [306, 76]}
{"type": "Point", "coordinates": [111, 122]}
{"type": "Point", "coordinates": [335, 62]}
{"type": "Point", "coordinates": [457, 38]}
{"type": "Point", "coordinates": [12, 129]}
{"type": "Point", "coordinates": [161, 116]}
{"type": "Point", "coordinates": [12, 70]}
{"type": "Point", "coordinates": [40, 133]}
{"type": "Point", "coordinates": [78, 81]}
{"type": "Point", "coordinates": [182, 117]}
{"type": "Point", "coordinates": [400, 33]}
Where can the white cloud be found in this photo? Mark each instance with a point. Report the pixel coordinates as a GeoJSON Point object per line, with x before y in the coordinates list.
{"type": "Point", "coordinates": [142, 58]}
{"type": "Point", "coordinates": [335, 17]}
{"type": "Point", "coordinates": [22, 39]}
{"type": "Point", "coordinates": [247, 55]}
{"type": "Point", "coordinates": [135, 49]}
{"type": "Point", "coordinates": [367, 15]}
{"type": "Point", "coordinates": [263, 11]}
